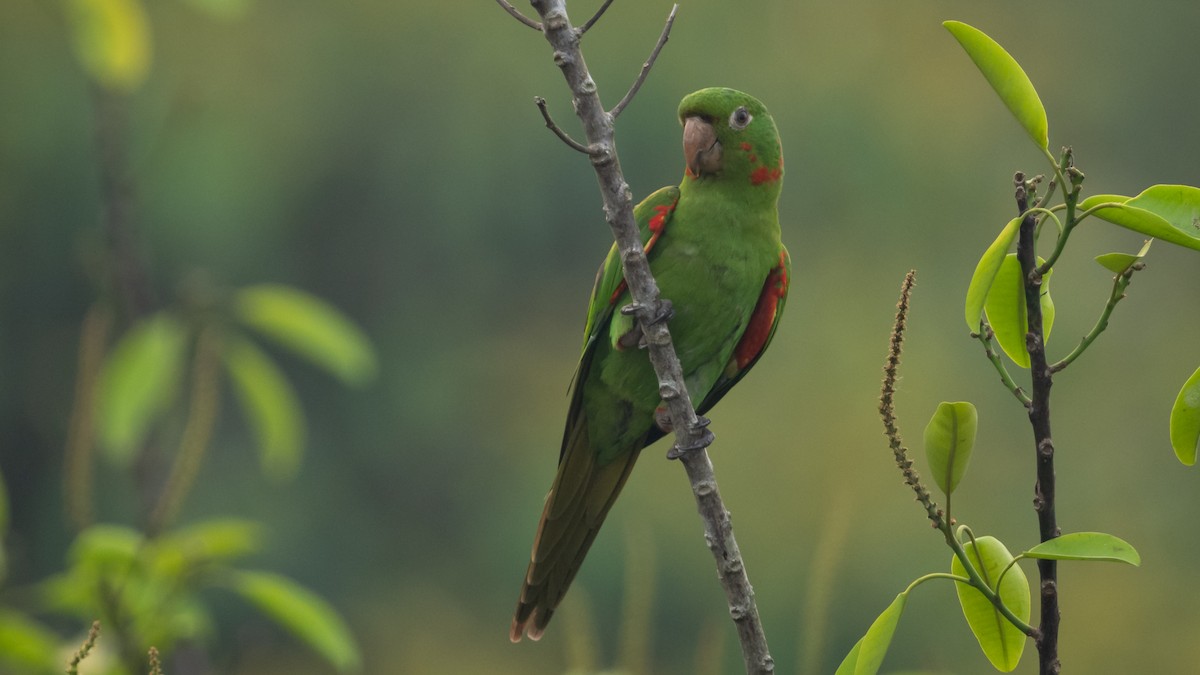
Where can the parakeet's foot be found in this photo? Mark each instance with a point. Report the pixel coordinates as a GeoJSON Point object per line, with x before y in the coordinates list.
{"type": "Point", "coordinates": [706, 439]}
{"type": "Point", "coordinates": [666, 311]}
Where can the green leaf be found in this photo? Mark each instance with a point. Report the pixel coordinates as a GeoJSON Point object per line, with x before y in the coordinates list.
{"type": "Point", "coordinates": [1167, 212]}
{"type": "Point", "coordinates": [1001, 641]}
{"type": "Point", "coordinates": [303, 613]}
{"type": "Point", "coordinates": [849, 664]}
{"type": "Point", "coordinates": [1086, 546]}
{"type": "Point", "coordinates": [1005, 307]}
{"type": "Point", "coordinates": [1006, 77]}
{"type": "Point", "coordinates": [111, 40]}
{"type": "Point", "coordinates": [1179, 205]}
{"type": "Point", "coordinates": [27, 646]}
{"type": "Point", "coordinates": [138, 383]}
{"type": "Point", "coordinates": [310, 327]}
{"type": "Point", "coordinates": [949, 439]}
{"type": "Point", "coordinates": [874, 645]}
{"type": "Point", "coordinates": [106, 546]}
{"type": "Point", "coordinates": [1119, 262]}
{"type": "Point", "coordinates": [270, 405]}
{"type": "Point", "coordinates": [1185, 420]}
{"type": "Point", "coordinates": [206, 542]}
{"type": "Point", "coordinates": [219, 539]}
{"type": "Point", "coordinates": [985, 272]}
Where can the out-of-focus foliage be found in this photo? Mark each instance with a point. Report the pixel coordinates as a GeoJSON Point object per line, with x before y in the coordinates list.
{"type": "Point", "coordinates": [139, 382]}
{"type": "Point", "coordinates": [385, 157]}
{"type": "Point", "coordinates": [112, 40]}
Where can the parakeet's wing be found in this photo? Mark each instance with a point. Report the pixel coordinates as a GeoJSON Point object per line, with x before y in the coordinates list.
{"type": "Point", "coordinates": [652, 216]}
{"type": "Point", "coordinates": [759, 331]}
{"type": "Point", "coordinates": [584, 489]}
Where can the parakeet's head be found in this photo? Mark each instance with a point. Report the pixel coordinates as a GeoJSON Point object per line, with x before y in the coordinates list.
{"type": "Point", "coordinates": [730, 137]}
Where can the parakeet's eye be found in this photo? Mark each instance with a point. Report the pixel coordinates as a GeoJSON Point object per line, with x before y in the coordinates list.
{"type": "Point", "coordinates": [739, 119]}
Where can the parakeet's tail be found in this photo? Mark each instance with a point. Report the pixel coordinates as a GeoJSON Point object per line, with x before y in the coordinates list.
{"type": "Point", "coordinates": [582, 493]}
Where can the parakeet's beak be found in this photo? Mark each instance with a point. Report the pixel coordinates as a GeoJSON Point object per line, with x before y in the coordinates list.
{"type": "Point", "coordinates": [701, 149]}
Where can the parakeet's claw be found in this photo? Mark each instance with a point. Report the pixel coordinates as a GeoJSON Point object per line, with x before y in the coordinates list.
{"type": "Point", "coordinates": [666, 311]}
{"type": "Point", "coordinates": [706, 439]}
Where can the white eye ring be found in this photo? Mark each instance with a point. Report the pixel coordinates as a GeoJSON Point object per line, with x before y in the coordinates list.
{"type": "Point", "coordinates": [740, 119]}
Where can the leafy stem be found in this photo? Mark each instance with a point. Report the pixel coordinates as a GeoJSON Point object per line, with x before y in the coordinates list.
{"type": "Point", "coordinates": [1071, 199]}
{"type": "Point", "coordinates": [1120, 283]}
{"type": "Point", "coordinates": [977, 582]}
{"type": "Point", "coordinates": [935, 575]}
{"type": "Point", "coordinates": [985, 336]}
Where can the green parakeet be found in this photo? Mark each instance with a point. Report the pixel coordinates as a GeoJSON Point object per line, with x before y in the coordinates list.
{"type": "Point", "coordinates": [713, 245]}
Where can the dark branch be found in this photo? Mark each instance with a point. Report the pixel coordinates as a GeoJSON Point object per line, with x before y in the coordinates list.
{"type": "Point", "coordinates": [637, 84]}
{"type": "Point", "coordinates": [595, 17]}
{"type": "Point", "coordinates": [1039, 418]}
{"type": "Point", "coordinates": [562, 135]}
{"type": "Point", "coordinates": [519, 16]}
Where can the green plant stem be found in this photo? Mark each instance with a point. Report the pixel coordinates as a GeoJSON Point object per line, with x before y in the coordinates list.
{"type": "Point", "coordinates": [935, 575]}
{"type": "Point", "coordinates": [1012, 563]}
{"type": "Point", "coordinates": [1097, 207]}
{"type": "Point", "coordinates": [984, 336]}
{"type": "Point", "coordinates": [1120, 283]}
{"type": "Point", "coordinates": [1071, 197]}
{"type": "Point", "coordinates": [977, 582]}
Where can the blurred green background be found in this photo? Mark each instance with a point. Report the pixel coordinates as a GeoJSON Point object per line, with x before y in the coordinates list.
{"type": "Point", "coordinates": [387, 157]}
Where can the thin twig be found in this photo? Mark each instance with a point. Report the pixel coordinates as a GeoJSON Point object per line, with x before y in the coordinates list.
{"type": "Point", "coordinates": [1120, 283]}
{"type": "Point", "coordinates": [690, 431]}
{"type": "Point", "coordinates": [985, 336]}
{"type": "Point", "coordinates": [553, 126]}
{"type": "Point", "coordinates": [516, 14]}
{"type": "Point", "coordinates": [81, 429]}
{"type": "Point", "coordinates": [595, 17]}
{"type": "Point", "coordinates": [637, 84]}
{"type": "Point", "coordinates": [132, 289]}
{"type": "Point", "coordinates": [197, 431]}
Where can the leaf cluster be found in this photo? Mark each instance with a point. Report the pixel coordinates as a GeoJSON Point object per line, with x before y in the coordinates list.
{"type": "Point", "coordinates": [993, 591]}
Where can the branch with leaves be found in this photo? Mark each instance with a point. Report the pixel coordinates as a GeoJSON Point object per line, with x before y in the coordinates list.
{"type": "Point", "coordinates": [692, 436]}
{"type": "Point", "coordinates": [1011, 289]}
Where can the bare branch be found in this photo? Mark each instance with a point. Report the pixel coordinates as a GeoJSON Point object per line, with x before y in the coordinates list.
{"type": "Point", "coordinates": [595, 17]}
{"type": "Point", "coordinates": [516, 14]}
{"type": "Point", "coordinates": [562, 135]}
{"type": "Point", "coordinates": [637, 84]}
{"type": "Point", "coordinates": [691, 434]}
